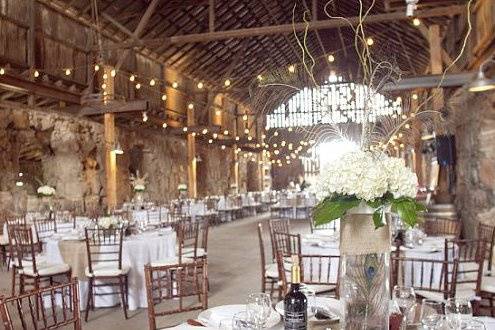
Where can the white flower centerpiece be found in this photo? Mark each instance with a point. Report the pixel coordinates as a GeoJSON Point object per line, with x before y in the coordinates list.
{"type": "Point", "coordinates": [45, 191]}
{"type": "Point", "coordinates": [138, 184]}
{"type": "Point", "coordinates": [359, 188]}
{"type": "Point", "coordinates": [109, 222]}
{"type": "Point", "coordinates": [182, 188]}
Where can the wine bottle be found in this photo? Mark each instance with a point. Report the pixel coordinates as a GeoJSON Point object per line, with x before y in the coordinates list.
{"type": "Point", "coordinates": [295, 302]}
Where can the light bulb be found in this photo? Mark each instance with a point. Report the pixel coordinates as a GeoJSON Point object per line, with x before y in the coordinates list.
{"type": "Point", "coordinates": [200, 85]}
{"type": "Point", "coordinates": [164, 125]}
{"type": "Point", "coordinates": [175, 84]}
{"type": "Point", "coordinates": [138, 86]}
{"type": "Point", "coordinates": [193, 134]}
{"type": "Point", "coordinates": [415, 96]}
{"type": "Point", "coordinates": [237, 138]}
{"type": "Point", "coordinates": [407, 126]}
{"type": "Point", "coordinates": [205, 131]}
{"type": "Point", "coordinates": [67, 72]}
{"type": "Point", "coordinates": [259, 77]}
{"type": "Point", "coordinates": [104, 86]}
{"type": "Point", "coordinates": [132, 78]}
{"type": "Point", "coordinates": [190, 106]}
{"type": "Point", "coordinates": [2, 71]}
{"type": "Point", "coordinates": [370, 41]}
{"type": "Point", "coordinates": [292, 68]}
{"type": "Point", "coordinates": [184, 129]}
{"type": "Point", "coordinates": [416, 22]}
{"type": "Point", "coordinates": [113, 72]}
{"type": "Point", "coordinates": [246, 131]}
{"type": "Point", "coordinates": [152, 82]}
{"type": "Point", "coordinates": [226, 132]}
{"type": "Point", "coordinates": [36, 73]}
{"type": "Point", "coordinates": [227, 83]}
{"type": "Point", "coordinates": [331, 58]}
{"type": "Point", "coordinates": [290, 129]}
{"type": "Point", "coordinates": [250, 138]}
{"type": "Point", "coordinates": [164, 97]}
{"type": "Point", "coordinates": [210, 141]}
{"type": "Point", "coordinates": [223, 147]}
{"type": "Point", "coordinates": [275, 134]}
{"type": "Point", "coordinates": [105, 76]}
{"type": "Point", "coordinates": [97, 67]}
{"type": "Point", "coordinates": [215, 135]}
{"type": "Point", "coordinates": [218, 112]}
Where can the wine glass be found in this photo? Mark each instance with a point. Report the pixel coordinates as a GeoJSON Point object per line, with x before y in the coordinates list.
{"type": "Point", "coordinates": [405, 297]}
{"type": "Point", "coordinates": [244, 321]}
{"type": "Point", "coordinates": [431, 314]}
{"type": "Point", "coordinates": [311, 298]}
{"type": "Point", "coordinates": [259, 306]}
{"type": "Point", "coordinates": [472, 325]}
{"type": "Point", "coordinates": [457, 310]}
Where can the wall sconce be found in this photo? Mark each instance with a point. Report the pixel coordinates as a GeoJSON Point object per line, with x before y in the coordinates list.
{"type": "Point", "coordinates": [481, 83]}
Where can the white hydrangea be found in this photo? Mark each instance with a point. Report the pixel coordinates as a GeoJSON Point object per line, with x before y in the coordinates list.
{"type": "Point", "coordinates": [46, 190]}
{"type": "Point", "coordinates": [182, 187]}
{"type": "Point", "coordinates": [108, 222]}
{"type": "Point", "coordinates": [139, 187]}
{"type": "Point", "coordinates": [367, 177]}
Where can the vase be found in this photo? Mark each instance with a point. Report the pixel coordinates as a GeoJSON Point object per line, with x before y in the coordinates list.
{"type": "Point", "coordinates": [364, 271]}
{"type": "Point", "coordinates": [138, 198]}
{"type": "Point", "coordinates": [46, 205]}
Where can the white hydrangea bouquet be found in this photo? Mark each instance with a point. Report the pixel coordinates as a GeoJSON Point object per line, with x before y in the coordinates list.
{"type": "Point", "coordinates": [371, 179]}
{"type": "Point", "coordinates": [138, 182]}
{"type": "Point", "coordinates": [108, 222]}
{"type": "Point", "coordinates": [182, 187]}
{"type": "Point", "coordinates": [45, 191]}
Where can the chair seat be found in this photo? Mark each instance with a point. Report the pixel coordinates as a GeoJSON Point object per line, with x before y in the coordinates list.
{"type": "Point", "coordinates": [170, 261]}
{"type": "Point", "coordinates": [46, 269]}
{"type": "Point", "coordinates": [463, 291]}
{"type": "Point", "coordinates": [4, 240]}
{"type": "Point", "coordinates": [189, 252]}
{"type": "Point", "coordinates": [107, 269]}
{"type": "Point", "coordinates": [271, 271]}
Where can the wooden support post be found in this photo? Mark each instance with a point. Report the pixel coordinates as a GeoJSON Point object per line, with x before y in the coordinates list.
{"type": "Point", "coordinates": [191, 157]}
{"type": "Point", "coordinates": [110, 141]}
{"type": "Point", "coordinates": [31, 44]}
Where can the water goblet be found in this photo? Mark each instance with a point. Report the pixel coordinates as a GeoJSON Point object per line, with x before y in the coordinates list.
{"type": "Point", "coordinates": [431, 314]}
{"type": "Point", "coordinates": [311, 298]}
{"type": "Point", "coordinates": [259, 306]}
{"type": "Point", "coordinates": [456, 311]}
{"type": "Point", "coordinates": [472, 324]}
{"type": "Point", "coordinates": [244, 321]}
{"type": "Point", "coordinates": [405, 297]}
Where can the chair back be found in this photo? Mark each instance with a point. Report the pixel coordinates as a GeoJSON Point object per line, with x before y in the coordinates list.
{"type": "Point", "coordinates": [192, 235]}
{"type": "Point", "coordinates": [315, 270]}
{"type": "Point", "coordinates": [262, 250]}
{"type": "Point", "coordinates": [438, 276]}
{"type": "Point", "coordinates": [277, 225]}
{"type": "Point", "coordinates": [486, 233]}
{"type": "Point", "coordinates": [175, 288]}
{"type": "Point", "coordinates": [23, 247]}
{"type": "Point", "coordinates": [443, 227]}
{"type": "Point", "coordinates": [104, 247]}
{"type": "Point", "coordinates": [45, 228]}
{"type": "Point", "coordinates": [470, 256]}
{"type": "Point", "coordinates": [288, 244]}
{"type": "Point", "coordinates": [24, 311]}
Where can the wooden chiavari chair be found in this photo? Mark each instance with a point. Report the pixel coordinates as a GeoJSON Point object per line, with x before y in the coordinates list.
{"type": "Point", "coordinates": [28, 265]}
{"type": "Point", "coordinates": [431, 279]}
{"type": "Point", "coordinates": [175, 288]}
{"type": "Point", "coordinates": [45, 228]}
{"type": "Point", "coordinates": [319, 272]}
{"type": "Point", "coordinates": [269, 273]}
{"type": "Point", "coordinates": [104, 251]}
{"type": "Point", "coordinates": [470, 257]}
{"type": "Point", "coordinates": [288, 244]}
{"type": "Point", "coordinates": [60, 308]}
{"type": "Point", "coordinates": [443, 227]}
{"type": "Point", "coordinates": [486, 233]}
{"type": "Point", "coordinates": [277, 225]}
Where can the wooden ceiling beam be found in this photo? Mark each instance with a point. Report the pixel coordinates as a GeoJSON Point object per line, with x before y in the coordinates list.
{"type": "Point", "coordinates": [115, 107]}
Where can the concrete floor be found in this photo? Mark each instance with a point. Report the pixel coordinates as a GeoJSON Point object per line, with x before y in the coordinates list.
{"type": "Point", "coordinates": [234, 271]}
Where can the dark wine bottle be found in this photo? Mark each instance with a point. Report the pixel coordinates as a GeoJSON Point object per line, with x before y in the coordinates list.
{"type": "Point", "coordinates": [295, 302]}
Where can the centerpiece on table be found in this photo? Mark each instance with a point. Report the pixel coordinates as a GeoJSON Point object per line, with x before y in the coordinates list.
{"type": "Point", "coordinates": [46, 193]}
{"type": "Point", "coordinates": [359, 188]}
{"type": "Point", "coordinates": [138, 184]}
{"type": "Point", "coordinates": [109, 222]}
{"type": "Point", "coordinates": [182, 188]}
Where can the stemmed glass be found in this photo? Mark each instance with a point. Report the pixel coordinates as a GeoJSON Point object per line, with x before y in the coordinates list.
{"type": "Point", "coordinates": [431, 314]}
{"type": "Point", "coordinates": [457, 311]}
{"type": "Point", "coordinates": [242, 321]}
{"type": "Point", "coordinates": [259, 306]}
{"type": "Point", "coordinates": [311, 298]}
{"type": "Point", "coordinates": [405, 297]}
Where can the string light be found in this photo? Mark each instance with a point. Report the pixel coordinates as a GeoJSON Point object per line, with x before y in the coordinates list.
{"type": "Point", "coordinates": [227, 83]}
{"type": "Point", "coordinates": [246, 131]}
{"type": "Point", "coordinates": [175, 84]}
{"type": "Point", "coordinates": [259, 77]}
{"type": "Point", "coordinates": [190, 106]}
{"type": "Point", "coordinates": [36, 73]}
{"type": "Point", "coordinates": [407, 126]}
{"type": "Point", "coordinates": [416, 22]}
{"type": "Point", "coordinates": [215, 135]}
{"type": "Point", "coordinates": [105, 76]}
{"type": "Point", "coordinates": [275, 133]}
{"type": "Point", "coordinates": [152, 82]}
{"type": "Point", "coordinates": [193, 134]}
{"type": "Point", "coordinates": [218, 112]}
{"type": "Point", "coordinates": [290, 129]}
{"type": "Point", "coordinates": [200, 85]}
{"type": "Point", "coordinates": [415, 96]}
{"type": "Point", "coordinates": [184, 129]}
{"type": "Point", "coordinates": [145, 117]}
{"type": "Point", "coordinates": [223, 147]}
{"type": "Point", "coordinates": [138, 86]}
{"type": "Point", "coordinates": [331, 58]}
{"type": "Point", "coordinates": [226, 132]}
{"type": "Point", "coordinates": [104, 86]}
{"type": "Point", "coordinates": [210, 141]}
{"type": "Point", "coordinates": [370, 41]}
{"type": "Point", "coordinates": [164, 125]}
{"type": "Point", "coordinates": [2, 71]}
{"type": "Point", "coordinates": [292, 68]}
{"type": "Point", "coordinates": [132, 77]}
{"type": "Point", "coordinates": [237, 138]}
{"type": "Point", "coordinates": [164, 97]}
{"type": "Point", "coordinates": [67, 72]}
{"type": "Point", "coordinates": [205, 131]}
{"type": "Point", "coordinates": [401, 135]}
{"type": "Point", "coordinates": [249, 138]}
{"type": "Point", "coordinates": [245, 117]}
{"type": "Point", "coordinates": [97, 67]}
{"type": "Point", "coordinates": [276, 152]}
{"type": "Point", "coordinates": [263, 136]}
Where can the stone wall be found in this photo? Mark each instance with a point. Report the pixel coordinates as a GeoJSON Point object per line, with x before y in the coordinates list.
{"type": "Point", "coordinates": [474, 117]}
{"type": "Point", "coordinates": [65, 152]}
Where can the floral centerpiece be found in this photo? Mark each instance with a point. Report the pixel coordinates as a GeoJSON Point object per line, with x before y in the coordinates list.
{"type": "Point", "coordinates": [182, 187]}
{"type": "Point", "coordinates": [45, 191]}
{"type": "Point", "coordinates": [359, 189]}
{"type": "Point", "coordinates": [138, 184]}
{"type": "Point", "coordinates": [109, 222]}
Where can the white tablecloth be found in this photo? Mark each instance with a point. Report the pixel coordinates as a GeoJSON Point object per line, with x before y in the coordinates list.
{"type": "Point", "coordinates": [137, 251]}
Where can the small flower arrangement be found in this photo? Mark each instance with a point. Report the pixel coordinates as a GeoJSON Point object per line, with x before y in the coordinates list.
{"type": "Point", "coordinates": [45, 191]}
{"type": "Point", "coordinates": [138, 182]}
{"type": "Point", "coordinates": [377, 180]}
{"type": "Point", "coordinates": [182, 187]}
{"type": "Point", "coordinates": [108, 222]}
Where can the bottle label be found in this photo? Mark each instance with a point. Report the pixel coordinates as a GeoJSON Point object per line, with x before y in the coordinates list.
{"type": "Point", "coordinates": [295, 320]}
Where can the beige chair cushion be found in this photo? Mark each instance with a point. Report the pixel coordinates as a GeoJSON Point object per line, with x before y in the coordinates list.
{"type": "Point", "coordinates": [46, 269]}
{"type": "Point", "coordinates": [107, 269]}
{"type": "Point", "coordinates": [462, 291]}
{"type": "Point", "coordinates": [189, 252]}
{"type": "Point", "coordinates": [170, 261]}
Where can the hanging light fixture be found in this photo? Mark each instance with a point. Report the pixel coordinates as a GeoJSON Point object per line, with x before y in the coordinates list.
{"type": "Point", "coordinates": [481, 83]}
{"type": "Point", "coordinates": [118, 149]}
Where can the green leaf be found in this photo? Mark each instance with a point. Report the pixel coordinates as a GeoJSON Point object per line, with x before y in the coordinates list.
{"type": "Point", "coordinates": [408, 209]}
{"type": "Point", "coordinates": [378, 218]}
{"type": "Point", "coordinates": [376, 203]}
{"type": "Point", "coordinates": [333, 208]}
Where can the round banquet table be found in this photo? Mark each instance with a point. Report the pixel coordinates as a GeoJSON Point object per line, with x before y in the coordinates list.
{"type": "Point", "coordinates": [137, 250]}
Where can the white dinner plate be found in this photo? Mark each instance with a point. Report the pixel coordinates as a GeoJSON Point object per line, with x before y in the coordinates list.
{"type": "Point", "coordinates": [213, 316]}
{"type": "Point", "coordinates": [331, 305]}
